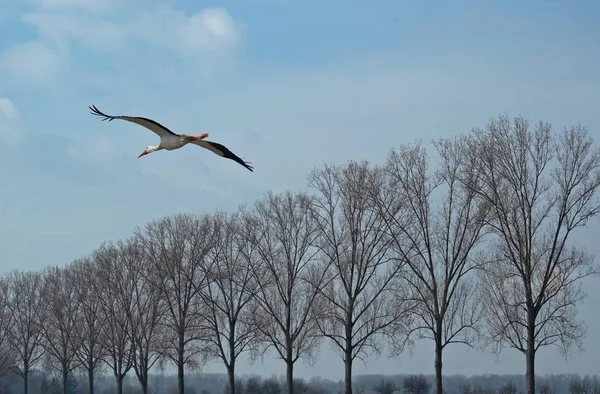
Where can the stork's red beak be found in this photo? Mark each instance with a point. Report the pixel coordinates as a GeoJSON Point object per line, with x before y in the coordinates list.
{"type": "Point", "coordinates": [143, 154]}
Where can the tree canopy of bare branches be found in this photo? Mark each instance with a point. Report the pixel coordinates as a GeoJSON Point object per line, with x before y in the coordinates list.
{"type": "Point", "coordinates": [144, 307]}
{"type": "Point", "coordinates": [7, 351]}
{"type": "Point", "coordinates": [60, 314]}
{"type": "Point", "coordinates": [88, 328]}
{"type": "Point", "coordinates": [26, 335]}
{"type": "Point", "coordinates": [177, 249]}
{"type": "Point", "coordinates": [438, 241]}
{"type": "Point", "coordinates": [282, 232]}
{"type": "Point", "coordinates": [541, 187]}
{"type": "Point", "coordinates": [113, 289]}
{"type": "Point", "coordinates": [355, 306]}
{"type": "Point", "coordinates": [229, 294]}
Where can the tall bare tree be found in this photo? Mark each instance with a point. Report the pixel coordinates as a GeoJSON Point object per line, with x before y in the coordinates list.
{"type": "Point", "coordinates": [60, 315]}
{"type": "Point", "coordinates": [91, 319]}
{"type": "Point", "coordinates": [541, 187]}
{"type": "Point", "coordinates": [283, 233]}
{"type": "Point", "coordinates": [176, 248]}
{"type": "Point", "coordinates": [145, 309]}
{"type": "Point", "coordinates": [7, 351]}
{"type": "Point", "coordinates": [112, 287]}
{"type": "Point", "coordinates": [228, 295]}
{"type": "Point", "coordinates": [25, 300]}
{"type": "Point", "coordinates": [437, 226]}
{"type": "Point", "coordinates": [356, 306]}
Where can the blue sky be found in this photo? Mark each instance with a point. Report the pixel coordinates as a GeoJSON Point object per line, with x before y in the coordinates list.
{"type": "Point", "coordinates": [288, 85]}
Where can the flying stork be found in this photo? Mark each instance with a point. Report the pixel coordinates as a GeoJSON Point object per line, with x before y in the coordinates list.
{"type": "Point", "coordinates": [170, 141]}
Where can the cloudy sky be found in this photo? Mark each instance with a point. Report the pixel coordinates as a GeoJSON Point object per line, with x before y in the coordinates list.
{"type": "Point", "coordinates": [288, 85]}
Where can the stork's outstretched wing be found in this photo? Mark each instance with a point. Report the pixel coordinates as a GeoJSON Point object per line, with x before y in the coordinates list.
{"type": "Point", "coordinates": [150, 124]}
{"type": "Point", "coordinates": [222, 151]}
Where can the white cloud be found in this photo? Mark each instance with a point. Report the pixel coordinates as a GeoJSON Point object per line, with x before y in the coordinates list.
{"type": "Point", "coordinates": [32, 61]}
{"type": "Point", "coordinates": [8, 109]}
{"type": "Point", "coordinates": [65, 29]}
{"type": "Point", "coordinates": [122, 28]}
{"type": "Point", "coordinates": [9, 122]}
{"type": "Point", "coordinates": [162, 28]}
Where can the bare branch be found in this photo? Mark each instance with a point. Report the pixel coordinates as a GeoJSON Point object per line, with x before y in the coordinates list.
{"type": "Point", "coordinates": [229, 294]}
{"type": "Point", "coordinates": [356, 306]}
{"type": "Point", "coordinates": [177, 248]}
{"type": "Point", "coordinates": [60, 314]}
{"type": "Point", "coordinates": [7, 351]}
{"type": "Point", "coordinates": [541, 187]}
{"type": "Point", "coordinates": [88, 329]}
{"type": "Point", "coordinates": [115, 295]}
{"type": "Point", "coordinates": [25, 300]}
{"type": "Point", "coordinates": [439, 245]}
{"type": "Point", "coordinates": [282, 233]}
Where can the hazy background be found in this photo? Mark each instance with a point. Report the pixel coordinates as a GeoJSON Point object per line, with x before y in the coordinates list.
{"type": "Point", "coordinates": [288, 85]}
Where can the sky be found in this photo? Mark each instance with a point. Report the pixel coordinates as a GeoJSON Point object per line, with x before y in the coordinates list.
{"type": "Point", "coordinates": [288, 85]}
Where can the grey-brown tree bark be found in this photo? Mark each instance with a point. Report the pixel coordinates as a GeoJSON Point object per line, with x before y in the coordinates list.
{"type": "Point", "coordinates": [541, 187]}
{"type": "Point", "coordinates": [60, 313]}
{"type": "Point", "coordinates": [116, 296]}
{"type": "Point", "coordinates": [356, 307]}
{"type": "Point", "coordinates": [228, 295]}
{"type": "Point", "coordinates": [26, 335]}
{"type": "Point", "coordinates": [283, 233]}
{"type": "Point", "coordinates": [177, 248]}
{"type": "Point", "coordinates": [437, 226]}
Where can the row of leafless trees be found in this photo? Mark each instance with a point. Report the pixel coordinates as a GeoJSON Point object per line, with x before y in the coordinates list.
{"type": "Point", "coordinates": [475, 247]}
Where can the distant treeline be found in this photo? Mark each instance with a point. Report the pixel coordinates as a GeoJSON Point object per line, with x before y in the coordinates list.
{"type": "Point", "coordinates": [214, 383]}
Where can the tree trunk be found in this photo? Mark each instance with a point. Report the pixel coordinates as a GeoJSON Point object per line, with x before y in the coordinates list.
{"type": "Point", "coordinates": [289, 375]}
{"type": "Point", "coordinates": [65, 379]}
{"type": "Point", "coordinates": [180, 367]}
{"type": "Point", "coordinates": [348, 372]}
{"type": "Point", "coordinates": [25, 380]}
{"type": "Point", "coordinates": [530, 355]}
{"type": "Point", "coordinates": [231, 377]}
{"type": "Point", "coordinates": [120, 384]}
{"type": "Point", "coordinates": [231, 365]}
{"type": "Point", "coordinates": [91, 380]}
{"type": "Point", "coordinates": [144, 382]}
{"type": "Point", "coordinates": [348, 353]}
{"type": "Point", "coordinates": [438, 361]}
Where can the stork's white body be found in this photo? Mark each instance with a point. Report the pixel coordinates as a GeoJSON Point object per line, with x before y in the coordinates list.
{"type": "Point", "coordinates": [172, 142]}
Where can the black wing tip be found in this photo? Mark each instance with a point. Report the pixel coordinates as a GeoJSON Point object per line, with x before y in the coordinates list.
{"type": "Point", "coordinates": [95, 111]}
{"type": "Point", "coordinates": [243, 162]}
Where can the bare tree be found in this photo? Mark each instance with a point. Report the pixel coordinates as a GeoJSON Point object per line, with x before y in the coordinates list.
{"type": "Point", "coordinates": [7, 351]}
{"type": "Point", "coordinates": [541, 186]}
{"type": "Point", "coordinates": [26, 335]}
{"type": "Point", "coordinates": [60, 315]}
{"type": "Point", "coordinates": [88, 329]}
{"type": "Point", "coordinates": [439, 244]}
{"type": "Point", "coordinates": [176, 248]}
{"type": "Point", "coordinates": [228, 295]}
{"type": "Point", "coordinates": [283, 233]}
{"type": "Point", "coordinates": [356, 306]}
{"type": "Point", "coordinates": [416, 384]}
{"type": "Point", "coordinates": [112, 287]}
{"type": "Point", "coordinates": [508, 388]}
{"type": "Point", "coordinates": [145, 310]}
{"type": "Point", "coordinates": [386, 387]}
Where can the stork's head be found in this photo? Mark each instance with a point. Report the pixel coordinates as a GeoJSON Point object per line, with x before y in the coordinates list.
{"type": "Point", "coordinates": [149, 149]}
